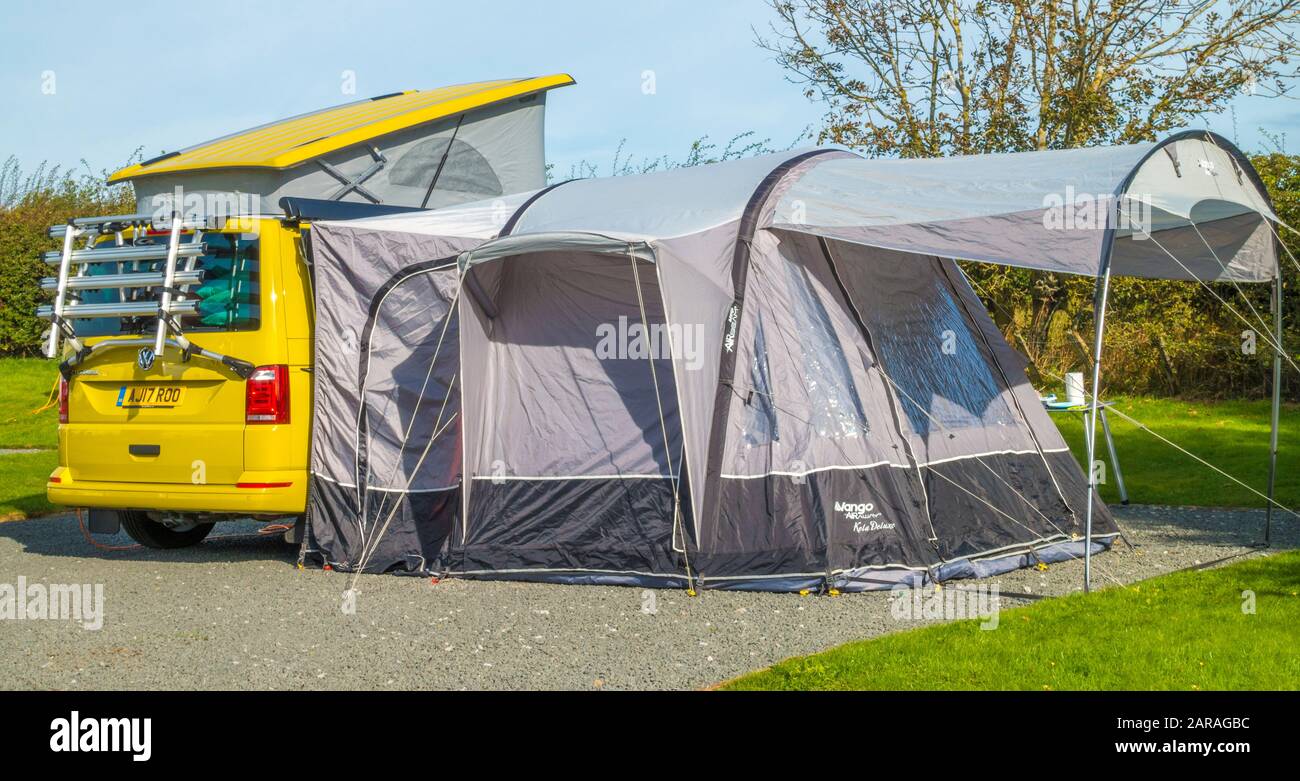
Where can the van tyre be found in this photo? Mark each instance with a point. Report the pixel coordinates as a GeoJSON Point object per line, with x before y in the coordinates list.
{"type": "Point", "coordinates": [152, 534]}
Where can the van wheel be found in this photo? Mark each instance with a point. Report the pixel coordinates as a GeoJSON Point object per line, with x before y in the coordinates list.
{"type": "Point", "coordinates": [152, 534]}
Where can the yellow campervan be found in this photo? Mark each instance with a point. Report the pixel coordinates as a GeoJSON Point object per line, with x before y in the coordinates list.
{"type": "Point", "coordinates": [185, 330]}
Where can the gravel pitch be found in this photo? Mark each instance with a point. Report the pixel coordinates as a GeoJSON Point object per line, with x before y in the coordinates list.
{"type": "Point", "coordinates": [235, 613]}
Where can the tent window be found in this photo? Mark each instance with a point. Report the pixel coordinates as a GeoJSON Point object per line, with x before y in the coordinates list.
{"type": "Point", "coordinates": [932, 356]}
{"type": "Point", "coordinates": [835, 408]}
{"type": "Point", "coordinates": [466, 169]}
{"type": "Point", "coordinates": [760, 413]}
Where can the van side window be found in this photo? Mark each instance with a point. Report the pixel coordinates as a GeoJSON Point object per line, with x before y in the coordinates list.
{"type": "Point", "coordinates": [229, 296]}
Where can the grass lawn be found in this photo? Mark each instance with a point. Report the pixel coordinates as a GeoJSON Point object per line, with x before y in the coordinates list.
{"type": "Point", "coordinates": [1182, 631]}
{"type": "Point", "coordinates": [1232, 435]}
{"type": "Point", "coordinates": [27, 383]}
{"type": "Point", "coordinates": [22, 484]}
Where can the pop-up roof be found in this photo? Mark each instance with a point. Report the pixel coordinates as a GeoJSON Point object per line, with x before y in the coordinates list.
{"type": "Point", "coordinates": [416, 148]}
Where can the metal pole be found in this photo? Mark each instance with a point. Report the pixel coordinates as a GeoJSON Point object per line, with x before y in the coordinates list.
{"type": "Point", "coordinates": [169, 279]}
{"type": "Point", "coordinates": [1277, 403]}
{"type": "Point", "coordinates": [1099, 307]}
{"type": "Point", "coordinates": [1114, 458]}
{"type": "Point", "coordinates": [69, 236]}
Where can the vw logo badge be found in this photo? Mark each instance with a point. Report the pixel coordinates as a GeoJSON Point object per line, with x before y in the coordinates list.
{"type": "Point", "coordinates": [145, 359]}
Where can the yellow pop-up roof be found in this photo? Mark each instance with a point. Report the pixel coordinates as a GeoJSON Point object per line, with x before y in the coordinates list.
{"type": "Point", "coordinates": [291, 141]}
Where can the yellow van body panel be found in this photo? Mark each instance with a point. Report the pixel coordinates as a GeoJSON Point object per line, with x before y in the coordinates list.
{"type": "Point", "coordinates": [198, 455]}
{"type": "Point", "coordinates": [200, 499]}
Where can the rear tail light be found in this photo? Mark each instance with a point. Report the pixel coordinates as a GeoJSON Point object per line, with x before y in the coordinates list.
{"type": "Point", "coordinates": [266, 395]}
{"type": "Point", "coordinates": [63, 400]}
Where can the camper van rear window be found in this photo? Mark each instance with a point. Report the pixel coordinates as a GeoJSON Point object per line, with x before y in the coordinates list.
{"type": "Point", "coordinates": [228, 298]}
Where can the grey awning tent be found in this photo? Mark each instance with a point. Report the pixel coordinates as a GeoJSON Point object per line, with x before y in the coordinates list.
{"type": "Point", "coordinates": [767, 373]}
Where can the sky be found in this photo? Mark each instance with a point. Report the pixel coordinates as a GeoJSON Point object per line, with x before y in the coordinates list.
{"type": "Point", "coordinates": [159, 77]}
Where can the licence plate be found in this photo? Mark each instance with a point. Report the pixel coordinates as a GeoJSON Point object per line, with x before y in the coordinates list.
{"type": "Point", "coordinates": [150, 396]}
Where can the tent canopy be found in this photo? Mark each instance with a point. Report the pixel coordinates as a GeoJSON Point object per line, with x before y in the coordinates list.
{"type": "Point", "coordinates": [1193, 194]}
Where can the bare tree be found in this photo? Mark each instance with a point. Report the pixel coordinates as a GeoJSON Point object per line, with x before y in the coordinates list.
{"type": "Point", "coordinates": [924, 78]}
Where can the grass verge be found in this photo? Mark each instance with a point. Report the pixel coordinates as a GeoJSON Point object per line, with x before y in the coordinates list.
{"type": "Point", "coordinates": [1186, 630]}
{"type": "Point", "coordinates": [1232, 435]}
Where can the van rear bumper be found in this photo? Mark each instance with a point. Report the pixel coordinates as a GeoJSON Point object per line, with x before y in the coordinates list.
{"type": "Point", "coordinates": [256, 493]}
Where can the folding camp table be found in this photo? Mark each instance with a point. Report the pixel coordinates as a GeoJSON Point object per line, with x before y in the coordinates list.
{"type": "Point", "coordinates": [1054, 407]}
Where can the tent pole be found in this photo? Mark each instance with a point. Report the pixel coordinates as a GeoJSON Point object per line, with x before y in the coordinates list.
{"type": "Point", "coordinates": [1099, 307]}
{"type": "Point", "coordinates": [1277, 403]}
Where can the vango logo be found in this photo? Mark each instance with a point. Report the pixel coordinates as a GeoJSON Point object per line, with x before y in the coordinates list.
{"type": "Point", "coordinates": [856, 511]}
{"type": "Point", "coordinates": [74, 733]}
{"type": "Point", "coordinates": [864, 516]}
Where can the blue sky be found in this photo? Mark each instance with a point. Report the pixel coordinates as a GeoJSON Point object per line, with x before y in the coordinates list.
{"type": "Point", "coordinates": [163, 76]}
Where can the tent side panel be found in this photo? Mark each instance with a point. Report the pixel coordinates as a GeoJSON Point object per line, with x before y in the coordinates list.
{"type": "Point", "coordinates": [566, 529]}
{"type": "Point", "coordinates": [414, 543]}
{"type": "Point", "coordinates": [408, 447]}
{"type": "Point", "coordinates": [370, 333]}
{"type": "Point", "coordinates": [568, 466]}
{"type": "Point", "coordinates": [1237, 247]}
{"type": "Point", "coordinates": [779, 530]}
{"type": "Point", "coordinates": [1070, 483]}
{"type": "Point", "coordinates": [814, 477]}
{"type": "Point", "coordinates": [997, 473]}
{"type": "Point", "coordinates": [694, 272]}
{"type": "Point", "coordinates": [756, 214]}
